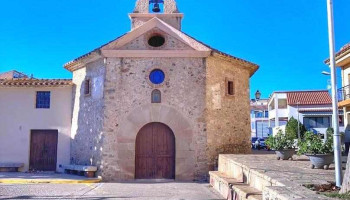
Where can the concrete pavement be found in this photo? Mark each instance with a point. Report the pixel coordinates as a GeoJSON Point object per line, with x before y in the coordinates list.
{"type": "Point", "coordinates": [27, 178]}
{"type": "Point", "coordinates": [102, 191]}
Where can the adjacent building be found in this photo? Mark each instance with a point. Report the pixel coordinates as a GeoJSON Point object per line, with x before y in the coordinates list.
{"type": "Point", "coordinates": [35, 121]}
{"type": "Point", "coordinates": [343, 61]}
{"type": "Point", "coordinates": [259, 116]}
{"type": "Point", "coordinates": [313, 109]}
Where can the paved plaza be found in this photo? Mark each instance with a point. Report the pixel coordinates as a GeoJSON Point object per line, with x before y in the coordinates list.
{"type": "Point", "coordinates": [102, 191]}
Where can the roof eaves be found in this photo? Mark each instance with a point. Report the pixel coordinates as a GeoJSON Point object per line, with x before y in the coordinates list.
{"type": "Point", "coordinates": [97, 50]}
{"type": "Point", "coordinates": [343, 51]}
{"type": "Point", "coordinates": [26, 82]}
{"type": "Point", "coordinates": [297, 91]}
{"type": "Point", "coordinates": [255, 66]}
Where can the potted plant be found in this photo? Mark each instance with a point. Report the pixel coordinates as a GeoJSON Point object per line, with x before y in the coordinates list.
{"type": "Point", "coordinates": [283, 144]}
{"type": "Point", "coordinates": [319, 152]}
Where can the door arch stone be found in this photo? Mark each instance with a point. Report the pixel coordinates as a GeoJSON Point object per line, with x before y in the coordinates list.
{"type": "Point", "coordinates": [128, 128]}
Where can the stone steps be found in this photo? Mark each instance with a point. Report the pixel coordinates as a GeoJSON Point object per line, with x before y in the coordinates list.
{"type": "Point", "coordinates": [222, 182]}
{"type": "Point", "coordinates": [244, 174]}
{"type": "Point", "coordinates": [256, 182]}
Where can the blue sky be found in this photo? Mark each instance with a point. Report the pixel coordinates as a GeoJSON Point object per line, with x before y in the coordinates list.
{"type": "Point", "coordinates": [288, 39]}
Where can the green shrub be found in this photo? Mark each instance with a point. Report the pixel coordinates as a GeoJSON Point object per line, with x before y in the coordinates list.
{"type": "Point", "coordinates": [313, 144]}
{"type": "Point", "coordinates": [280, 141]}
{"type": "Point", "coordinates": [292, 128]}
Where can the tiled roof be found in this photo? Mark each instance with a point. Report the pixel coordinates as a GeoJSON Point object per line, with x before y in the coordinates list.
{"type": "Point", "coordinates": [222, 53]}
{"type": "Point", "coordinates": [258, 107]}
{"type": "Point", "coordinates": [89, 53]}
{"type": "Point", "coordinates": [315, 110]}
{"type": "Point", "coordinates": [345, 49]}
{"type": "Point", "coordinates": [35, 82]}
{"type": "Point", "coordinates": [320, 97]}
{"type": "Point", "coordinates": [12, 74]}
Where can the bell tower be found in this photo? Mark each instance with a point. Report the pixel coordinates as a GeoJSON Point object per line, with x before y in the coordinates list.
{"type": "Point", "coordinates": [166, 10]}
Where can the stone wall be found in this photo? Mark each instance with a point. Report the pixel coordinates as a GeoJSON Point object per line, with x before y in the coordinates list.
{"type": "Point", "coordinates": [128, 108]}
{"type": "Point", "coordinates": [87, 119]}
{"type": "Point", "coordinates": [140, 43]}
{"type": "Point", "coordinates": [228, 119]}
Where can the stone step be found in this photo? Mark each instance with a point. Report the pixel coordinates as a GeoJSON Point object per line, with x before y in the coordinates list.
{"type": "Point", "coordinates": [240, 172]}
{"type": "Point", "coordinates": [221, 182]}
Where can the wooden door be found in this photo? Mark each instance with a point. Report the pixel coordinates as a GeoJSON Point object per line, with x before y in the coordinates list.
{"type": "Point", "coordinates": [155, 152]}
{"type": "Point", "coordinates": [43, 150]}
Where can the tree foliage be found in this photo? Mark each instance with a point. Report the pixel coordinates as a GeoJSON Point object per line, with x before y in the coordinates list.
{"type": "Point", "coordinates": [280, 141]}
{"type": "Point", "coordinates": [313, 144]}
{"type": "Point", "coordinates": [292, 128]}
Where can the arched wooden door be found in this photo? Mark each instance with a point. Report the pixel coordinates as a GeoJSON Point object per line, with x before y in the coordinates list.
{"type": "Point", "coordinates": [155, 152]}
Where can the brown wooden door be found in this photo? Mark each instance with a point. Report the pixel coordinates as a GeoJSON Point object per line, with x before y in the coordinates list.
{"type": "Point", "coordinates": [43, 150]}
{"type": "Point", "coordinates": [155, 152]}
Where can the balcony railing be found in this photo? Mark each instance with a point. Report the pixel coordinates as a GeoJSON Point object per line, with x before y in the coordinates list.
{"type": "Point", "coordinates": [344, 93]}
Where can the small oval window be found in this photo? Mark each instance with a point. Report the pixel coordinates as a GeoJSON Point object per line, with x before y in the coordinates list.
{"type": "Point", "coordinates": [157, 76]}
{"type": "Point", "coordinates": [156, 41]}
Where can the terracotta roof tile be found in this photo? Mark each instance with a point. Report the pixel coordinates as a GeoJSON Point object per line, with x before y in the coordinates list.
{"type": "Point", "coordinates": [35, 82]}
{"type": "Point", "coordinates": [343, 51]}
{"type": "Point", "coordinates": [321, 97]}
{"type": "Point", "coordinates": [12, 74]}
{"type": "Point", "coordinates": [316, 110]}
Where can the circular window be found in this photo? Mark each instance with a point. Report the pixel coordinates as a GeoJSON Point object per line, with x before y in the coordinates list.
{"type": "Point", "coordinates": [157, 76]}
{"type": "Point", "coordinates": [156, 41]}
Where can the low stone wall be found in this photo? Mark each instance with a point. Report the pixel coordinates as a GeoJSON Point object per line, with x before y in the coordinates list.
{"type": "Point", "coordinates": [278, 180]}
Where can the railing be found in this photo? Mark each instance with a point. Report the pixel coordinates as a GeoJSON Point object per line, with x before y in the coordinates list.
{"type": "Point", "coordinates": [344, 93]}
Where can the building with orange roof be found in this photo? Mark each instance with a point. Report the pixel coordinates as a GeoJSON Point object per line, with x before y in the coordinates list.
{"type": "Point", "coordinates": [313, 108]}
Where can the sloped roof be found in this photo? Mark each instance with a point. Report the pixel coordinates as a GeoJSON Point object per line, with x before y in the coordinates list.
{"type": "Point", "coordinates": [343, 51]}
{"type": "Point", "coordinates": [156, 22]}
{"type": "Point", "coordinates": [12, 74]}
{"type": "Point", "coordinates": [320, 97]}
{"type": "Point", "coordinates": [26, 82]}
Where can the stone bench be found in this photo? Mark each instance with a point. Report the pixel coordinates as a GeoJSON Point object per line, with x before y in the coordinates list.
{"type": "Point", "coordinates": [10, 167]}
{"type": "Point", "coordinates": [81, 170]}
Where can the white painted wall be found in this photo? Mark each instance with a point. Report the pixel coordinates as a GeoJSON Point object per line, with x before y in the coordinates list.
{"type": "Point", "coordinates": [18, 116]}
{"type": "Point", "coordinates": [292, 111]}
{"type": "Point", "coordinates": [277, 112]}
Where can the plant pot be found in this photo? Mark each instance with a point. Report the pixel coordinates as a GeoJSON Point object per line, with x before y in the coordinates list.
{"type": "Point", "coordinates": [321, 161]}
{"type": "Point", "coordinates": [285, 154]}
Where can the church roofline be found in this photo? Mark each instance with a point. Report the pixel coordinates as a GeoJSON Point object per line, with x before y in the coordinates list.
{"type": "Point", "coordinates": [154, 22]}
{"type": "Point", "coordinates": [151, 15]}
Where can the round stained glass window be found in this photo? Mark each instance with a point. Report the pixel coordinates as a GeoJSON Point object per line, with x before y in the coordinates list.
{"type": "Point", "coordinates": [157, 76]}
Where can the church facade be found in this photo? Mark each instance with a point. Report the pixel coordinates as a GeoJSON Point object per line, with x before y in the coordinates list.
{"type": "Point", "coordinates": [156, 103]}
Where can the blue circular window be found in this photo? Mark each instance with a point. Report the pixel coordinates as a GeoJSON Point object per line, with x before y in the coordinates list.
{"type": "Point", "coordinates": [157, 76]}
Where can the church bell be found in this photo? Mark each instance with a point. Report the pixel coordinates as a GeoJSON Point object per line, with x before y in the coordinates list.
{"type": "Point", "coordinates": [156, 8]}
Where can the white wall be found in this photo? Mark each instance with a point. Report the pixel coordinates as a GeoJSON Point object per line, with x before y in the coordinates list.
{"type": "Point", "coordinates": [18, 116]}
{"type": "Point", "coordinates": [277, 113]}
{"type": "Point", "coordinates": [293, 112]}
